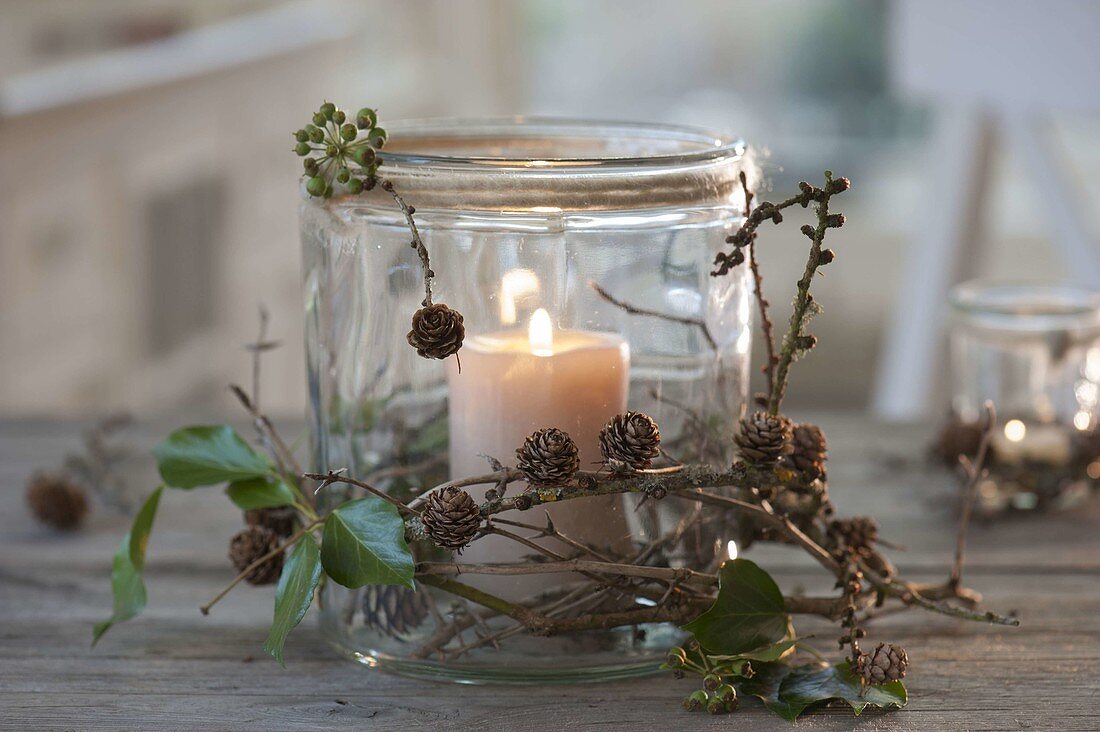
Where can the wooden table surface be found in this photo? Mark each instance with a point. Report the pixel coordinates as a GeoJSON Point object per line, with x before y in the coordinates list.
{"type": "Point", "coordinates": [175, 669]}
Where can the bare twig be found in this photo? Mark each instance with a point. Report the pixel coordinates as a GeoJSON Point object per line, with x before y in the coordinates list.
{"type": "Point", "coordinates": [761, 301]}
{"type": "Point", "coordinates": [635, 310]}
{"type": "Point", "coordinates": [257, 349]}
{"type": "Point", "coordinates": [975, 471]}
{"type": "Point", "coordinates": [678, 574]}
{"type": "Point", "coordinates": [284, 456]}
{"type": "Point", "coordinates": [205, 609]}
{"type": "Point", "coordinates": [505, 475]}
{"type": "Point", "coordinates": [417, 241]}
{"type": "Point", "coordinates": [332, 476]}
{"type": "Point", "coordinates": [528, 617]}
{"type": "Point", "coordinates": [768, 514]}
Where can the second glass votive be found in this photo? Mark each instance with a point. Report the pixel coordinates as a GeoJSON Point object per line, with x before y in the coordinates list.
{"type": "Point", "coordinates": [1033, 349]}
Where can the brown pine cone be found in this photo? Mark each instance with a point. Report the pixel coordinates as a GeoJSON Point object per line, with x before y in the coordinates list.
{"type": "Point", "coordinates": [283, 521]}
{"type": "Point", "coordinates": [888, 663]}
{"type": "Point", "coordinates": [809, 451]}
{"type": "Point", "coordinates": [764, 438]}
{"type": "Point", "coordinates": [250, 544]}
{"type": "Point", "coordinates": [451, 518]}
{"type": "Point", "coordinates": [437, 331]}
{"type": "Point", "coordinates": [858, 533]}
{"type": "Point", "coordinates": [393, 609]}
{"type": "Point", "coordinates": [56, 500]}
{"type": "Point", "coordinates": [632, 439]}
{"type": "Point", "coordinates": [548, 457]}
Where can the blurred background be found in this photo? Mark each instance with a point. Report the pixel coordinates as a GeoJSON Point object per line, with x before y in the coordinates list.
{"type": "Point", "coordinates": [148, 191]}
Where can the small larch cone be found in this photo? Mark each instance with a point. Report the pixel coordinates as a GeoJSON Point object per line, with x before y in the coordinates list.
{"type": "Point", "coordinates": [764, 438]}
{"type": "Point", "coordinates": [632, 439]}
{"type": "Point", "coordinates": [548, 457]}
{"type": "Point", "coordinates": [248, 545]}
{"type": "Point", "coordinates": [437, 331]}
{"type": "Point", "coordinates": [56, 501]}
{"type": "Point", "coordinates": [393, 609]}
{"type": "Point", "coordinates": [888, 663]}
{"type": "Point", "coordinates": [283, 521]}
{"type": "Point", "coordinates": [451, 518]}
{"type": "Point", "coordinates": [858, 533]}
{"type": "Point", "coordinates": [808, 453]}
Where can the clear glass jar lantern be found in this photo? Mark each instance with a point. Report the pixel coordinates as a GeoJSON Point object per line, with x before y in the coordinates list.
{"type": "Point", "coordinates": [1033, 349]}
{"type": "Point", "coordinates": [540, 233]}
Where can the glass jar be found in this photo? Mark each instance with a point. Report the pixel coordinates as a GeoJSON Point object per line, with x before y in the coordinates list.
{"type": "Point", "coordinates": [557, 241]}
{"type": "Point", "coordinates": [1033, 349]}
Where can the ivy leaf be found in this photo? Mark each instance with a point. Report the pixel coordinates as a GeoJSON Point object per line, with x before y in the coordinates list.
{"type": "Point", "coordinates": [127, 583]}
{"type": "Point", "coordinates": [747, 614]}
{"type": "Point", "coordinates": [266, 492]}
{"type": "Point", "coordinates": [201, 456]}
{"type": "Point", "coordinates": [364, 544]}
{"type": "Point", "coordinates": [732, 665]}
{"type": "Point", "coordinates": [294, 593]}
{"type": "Point", "coordinates": [789, 691]}
{"type": "Point", "coordinates": [808, 685]}
{"type": "Point", "coordinates": [764, 654]}
{"type": "Point", "coordinates": [765, 684]}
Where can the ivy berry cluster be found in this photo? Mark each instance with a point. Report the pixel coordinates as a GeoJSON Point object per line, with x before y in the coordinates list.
{"type": "Point", "coordinates": [718, 695]}
{"type": "Point", "coordinates": [338, 151]}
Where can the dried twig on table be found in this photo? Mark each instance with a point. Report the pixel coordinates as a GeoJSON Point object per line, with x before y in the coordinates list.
{"type": "Point", "coordinates": [975, 471]}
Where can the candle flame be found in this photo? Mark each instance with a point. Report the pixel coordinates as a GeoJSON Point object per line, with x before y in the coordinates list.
{"type": "Point", "coordinates": [1015, 430]}
{"type": "Point", "coordinates": [540, 333]}
{"type": "Point", "coordinates": [731, 549]}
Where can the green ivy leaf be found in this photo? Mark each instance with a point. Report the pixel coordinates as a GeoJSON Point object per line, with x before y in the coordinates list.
{"type": "Point", "coordinates": [789, 691]}
{"type": "Point", "coordinates": [364, 544]}
{"type": "Point", "coordinates": [266, 492]}
{"type": "Point", "coordinates": [127, 584]}
{"type": "Point", "coordinates": [731, 664]}
{"type": "Point", "coordinates": [201, 456]}
{"type": "Point", "coordinates": [294, 593]}
{"type": "Point", "coordinates": [765, 684]}
{"type": "Point", "coordinates": [807, 685]}
{"type": "Point", "coordinates": [747, 614]}
{"type": "Point", "coordinates": [765, 654]}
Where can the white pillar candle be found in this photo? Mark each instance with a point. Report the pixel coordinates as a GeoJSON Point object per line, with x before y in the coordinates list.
{"type": "Point", "coordinates": [515, 382]}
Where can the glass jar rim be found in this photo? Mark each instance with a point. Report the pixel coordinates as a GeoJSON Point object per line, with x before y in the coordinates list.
{"type": "Point", "coordinates": [556, 166]}
{"type": "Point", "coordinates": [698, 144]}
{"type": "Point", "coordinates": [1026, 304]}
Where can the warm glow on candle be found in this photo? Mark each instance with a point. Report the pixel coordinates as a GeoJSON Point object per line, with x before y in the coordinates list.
{"type": "Point", "coordinates": [1015, 430]}
{"type": "Point", "coordinates": [540, 333]}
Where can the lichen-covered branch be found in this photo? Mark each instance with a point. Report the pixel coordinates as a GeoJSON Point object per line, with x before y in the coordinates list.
{"type": "Point", "coordinates": [796, 340]}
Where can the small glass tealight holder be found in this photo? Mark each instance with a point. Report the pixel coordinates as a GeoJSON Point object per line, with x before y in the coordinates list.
{"type": "Point", "coordinates": [1033, 349]}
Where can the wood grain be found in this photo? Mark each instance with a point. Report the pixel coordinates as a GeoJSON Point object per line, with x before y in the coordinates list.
{"type": "Point", "coordinates": [173, 669]}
